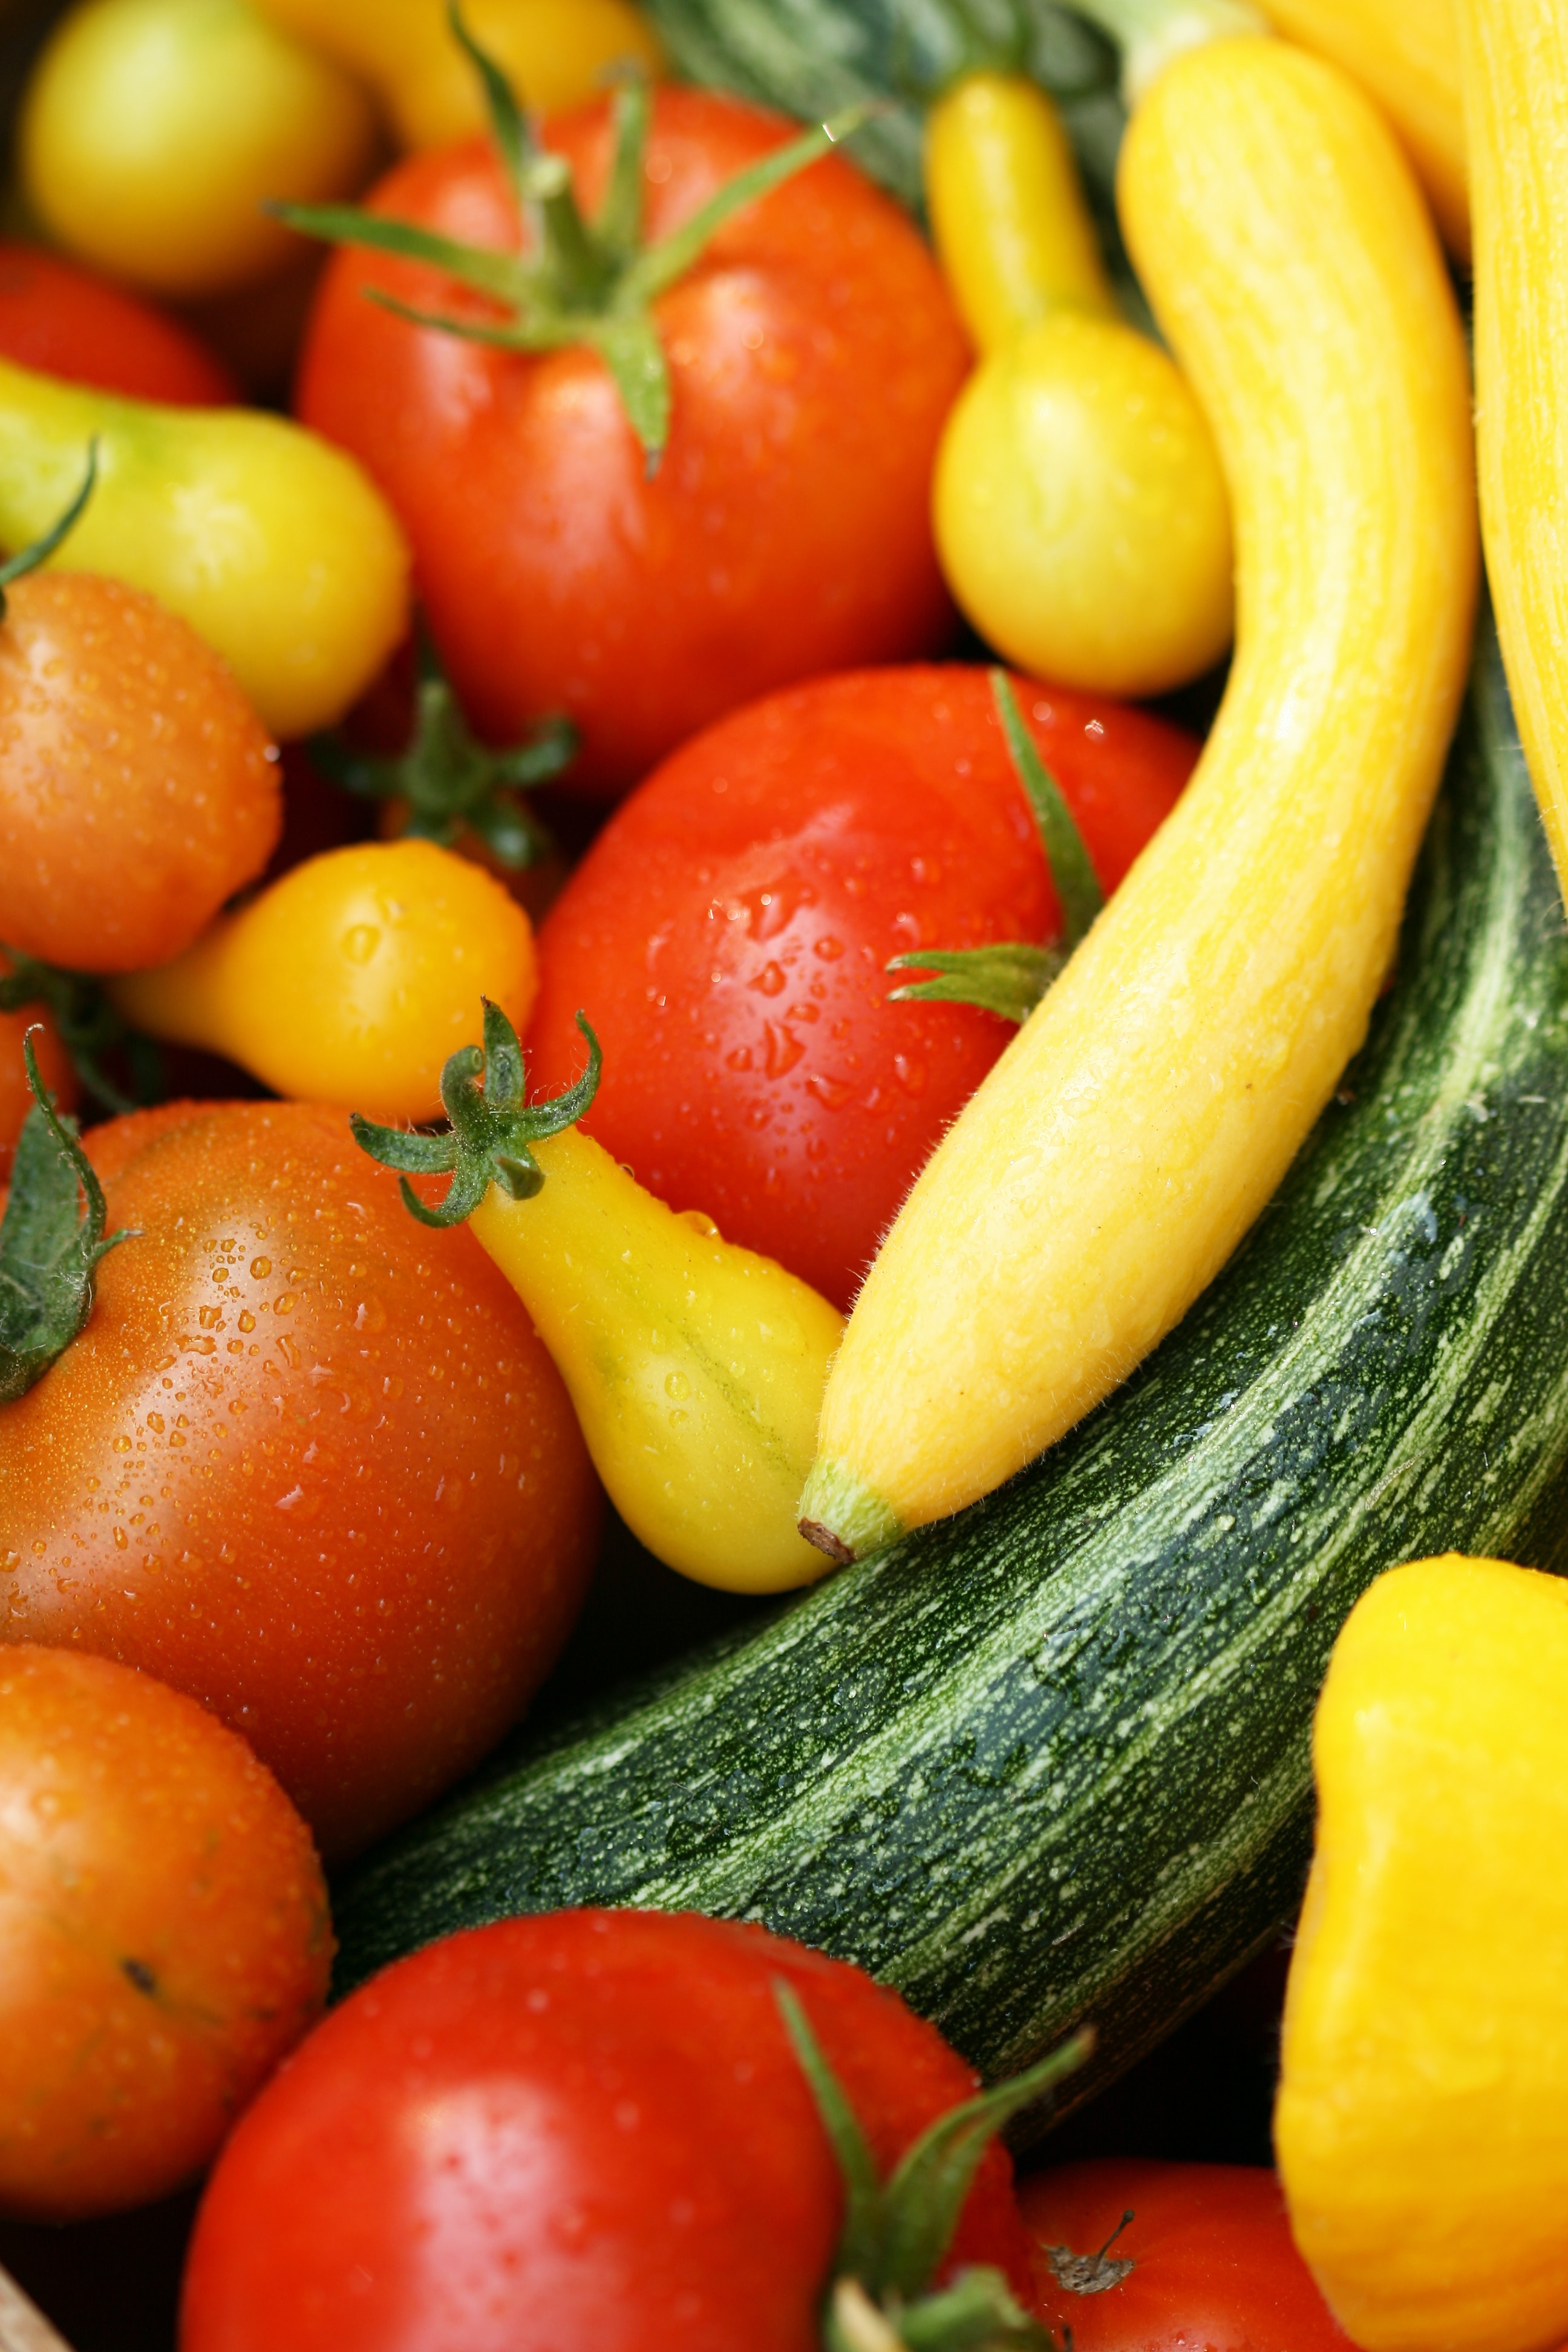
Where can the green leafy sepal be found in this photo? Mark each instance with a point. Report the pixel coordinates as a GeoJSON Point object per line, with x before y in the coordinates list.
{"type": "Point", "coordinates": [451, 782]}
{"type": "Point", "coordinates": [51, 1242]}
{"type": "Point", "coordinates": [897, 2232]}
{"type": "Point", "coordinates": [580, 282]}
{"type": "Point", "coordinates": [492, 1125]}
{"type": "Point", "coordinates": [89, 1027]}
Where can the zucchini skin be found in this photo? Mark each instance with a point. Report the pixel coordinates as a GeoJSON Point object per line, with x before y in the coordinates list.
{"type": "Point", "coordinates": [1048, 1760]}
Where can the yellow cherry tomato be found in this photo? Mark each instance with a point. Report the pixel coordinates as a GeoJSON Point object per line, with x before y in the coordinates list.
{"type": "Point", "coordinates": [153, 131]}
{"type": "Point", "coordinates": [697, 1367]}
{"type": "Point", "coordinates": [276, 548]}
{"type": "Point", "coordinates": [555, 53]}
{"type": "Point", "coordinates": [351, 980]}
{"type": "Point", "coordinates": [1080, 513]}
{"type": "Point", "coordinates": [1422, 2124]}
{"type": "Point", "coordinates": [1007, 214]}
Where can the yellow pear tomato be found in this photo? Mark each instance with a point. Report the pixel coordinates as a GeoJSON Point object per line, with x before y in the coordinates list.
{"type": "Point", "coordinates": [1080, 513]}
{"type": "Point", "coordinates": [152, 132]}
{"type": "Point", "coordinates": [351, 980]}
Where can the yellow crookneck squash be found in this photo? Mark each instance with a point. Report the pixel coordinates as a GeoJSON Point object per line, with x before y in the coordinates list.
{"type": "Point", "coordinates": [1422, 2125]}
{"type": "Point", "coordinates": [1515, 60]}
{"type": "Point", "coordinates": [1121, 1147]}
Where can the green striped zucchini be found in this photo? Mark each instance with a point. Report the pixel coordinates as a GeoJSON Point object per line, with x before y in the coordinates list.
{"type": "Point", "coordinates": [1048, 1761]}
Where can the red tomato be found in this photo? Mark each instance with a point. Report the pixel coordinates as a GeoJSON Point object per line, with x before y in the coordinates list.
{"type": "Point", "coordinates": [814, 354]}
{"type": "Point", "coordinates": [729, 930]}
{"type": "Point", "coordinates": [583, 2129]}
{"type": "Point", "coordinates": [1213, 2266]}
{"type": "Point", "coordinates": [58, 317]}
{"type": "Point", "coordinates": [308, 1462]}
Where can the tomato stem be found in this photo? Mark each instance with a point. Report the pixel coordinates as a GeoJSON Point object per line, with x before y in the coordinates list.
{"type": "Point", "coordinates": [51, 1242]}
{"type": "Point", "coordinates": [1010, 976]}
{"type": "Point", "coordinates": [450, 781]}
{"type": "Point", "coordinates": [491, 1125]}
{"type": "Point", "coordinates": [89, 1026]}
{"type": "Point", "coordinates": [30, 558]}
{"type": "Point", "coordinates": [578, 281]}
{"type": "Point", "coordinates": [897, 2232]}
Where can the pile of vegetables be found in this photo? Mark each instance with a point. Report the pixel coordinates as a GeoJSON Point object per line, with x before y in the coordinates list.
{"type": "Point", "coordinates": [760, 816]}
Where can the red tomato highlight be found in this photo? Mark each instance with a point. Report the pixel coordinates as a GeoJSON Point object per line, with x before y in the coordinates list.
{"type": "Point", "coordinates": [60, 319]}
{"type": "Point", "coordinates": [728, 933]}
{"type": "Point", "coordinates": [585, 2128]}
{"type": "Point", "coordinates": [1213, 2266]}
{"type": "Point", "coordinates": [814, 353]}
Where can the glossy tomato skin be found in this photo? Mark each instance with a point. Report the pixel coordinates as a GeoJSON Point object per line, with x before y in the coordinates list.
{"type": "Point", "coordinates": [583, 2128]}
{"type": "Point", "coordinates": [63, 320]}
{"type": "Point", "coordinates": [166, 1936]}
{"type": "Point", "coordinates": [138, 788]}
{"type": "Point", "coordinates": [729, 930]}
{"type": "Point", "coordinates": [1215, 2266]}
{"type": "Point", "coordinates": [307, 1462]}
{"type": "Point", "coordinates": [814, 353]}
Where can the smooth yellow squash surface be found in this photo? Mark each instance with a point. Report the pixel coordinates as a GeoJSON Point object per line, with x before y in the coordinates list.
{"type": "Point", "coordinates": [1007, 214]}
{"type": "Point", "coordinates": [1406, 53]}
{"type": "Point", "coordinates": [1420, 2126]}
{"type": "Point", "coordinates": [276, 548]}
{"type": "Point", "coordinates": [1133, 1129]}
{"type": "Point", "coordinates": [696, 1368]}
{"type": "Point", "coordinates": [351, 979]}
{"type": "Point", "coordinates": [1515, 57]}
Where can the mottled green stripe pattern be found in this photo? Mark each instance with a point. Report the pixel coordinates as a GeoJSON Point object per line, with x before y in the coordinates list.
{"type": "Point", "coordinates": [1048, 1760]}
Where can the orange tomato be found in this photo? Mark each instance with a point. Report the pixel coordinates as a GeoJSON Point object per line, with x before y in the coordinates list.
{"type": "Point", "coordinates": [138, 788]}
{"type": "Point", "coordinates": [164, 1921]}
{"type": "Point", "coordinates": [307, 1461]}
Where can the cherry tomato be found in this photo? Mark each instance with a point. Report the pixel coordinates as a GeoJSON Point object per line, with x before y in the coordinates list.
{"type": "Point", "coordinates": [166, 1934]}
{"type": "Point", "coordinates": [138, 789]}
{"type": "Point", "coordinates": [585, 2128]}
{"type": "Point", "coordinates": [729, 930]}
{"type": "Point", "coordinates": [307, 1462]}
{"type": "Point", "coordinates": [54, 1068]}
{"type": "Point", "coordinates": [1210, 2264]}
{"type": "Point", "coordinates": [814, 353]}
{"type": "Point", "coordinates": [65, 321]}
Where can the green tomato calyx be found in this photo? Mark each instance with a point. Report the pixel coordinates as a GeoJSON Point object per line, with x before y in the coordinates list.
{"type": "Point", "coordinates": [1010, 977]}
{"type": "Point", "coordinates": [89, 1026]}
{"type": "Point", "coordinates": [51, 1242]}
{"type": "Point", "coordinates": [897, 2232]}
{"type": "Point", "coordinates": [451, 782]}
{"type": "Point", "coordinates": [578, 280]}
{"type": "Point", "coordinates": [492, 1126]}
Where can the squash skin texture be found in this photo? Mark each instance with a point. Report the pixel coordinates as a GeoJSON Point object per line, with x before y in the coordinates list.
{"type": "Point", "coordinates": [1514, 55]}
{"type": "Point", "coordinates": [1420, 2124]}
{"type": "Point", "coordinates": [1405, 55]}
{"type": "Point", "coordinates": [1116, 1154]}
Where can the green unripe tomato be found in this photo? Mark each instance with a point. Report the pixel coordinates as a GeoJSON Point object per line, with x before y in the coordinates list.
{"type": "Point", "coordinates": [153, 131]}
{"type": "Point", "coordinates": [1080, 513]}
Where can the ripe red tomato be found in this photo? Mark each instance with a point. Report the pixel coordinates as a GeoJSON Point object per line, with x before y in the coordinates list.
{"type": "Point", "coordinates": [58, 317]}
{"type": "Point", "coordinates": [166, 1936]}
{"type": "Point", "coordinates": [587, 2129]}
{"type": "Point", "coordinates": [814, 353]}
{"type": "Point", "coordinates": [729, 930]}
{"type": "Point", "coordinates": [1213, 2266]}
{"type": "Point", "coordinates": [307, 1462]}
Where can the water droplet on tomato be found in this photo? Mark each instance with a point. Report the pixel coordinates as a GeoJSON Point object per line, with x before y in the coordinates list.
{"type": "Point", "coordinates": [829, 949]}
{"type": "Point", "coordinates": [360, 942]}
{"type": "Point", "coordinates": [770, 982]}
{"type": "Point", "coordinates": [677, 1385]}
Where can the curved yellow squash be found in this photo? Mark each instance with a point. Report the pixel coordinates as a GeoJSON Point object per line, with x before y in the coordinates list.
{"type": "Point", "coordinates": [1133, 1129]}
{"type": "Point", "coordinates": [1406, 53]}
{"type": "Point", "coordinates": [1515, 59]}
{"type": "Point", "coordinates": [1421, 2122]}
